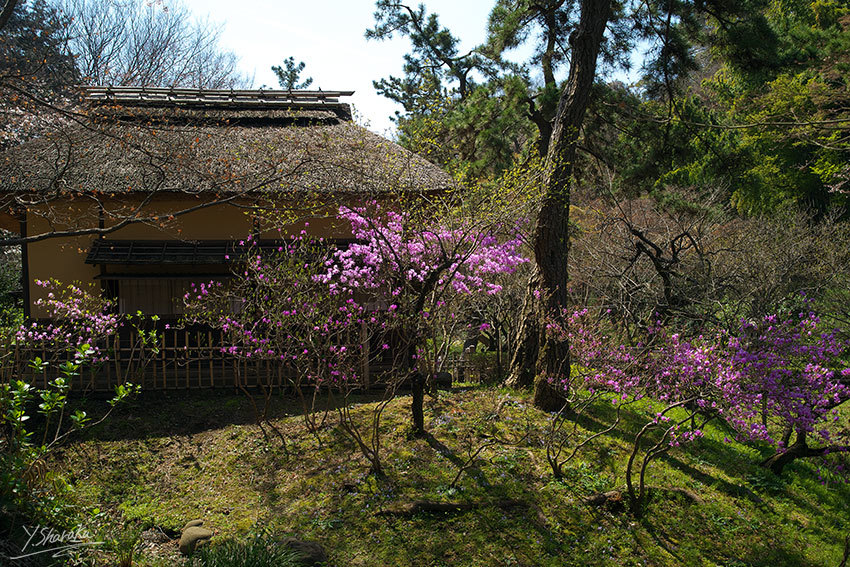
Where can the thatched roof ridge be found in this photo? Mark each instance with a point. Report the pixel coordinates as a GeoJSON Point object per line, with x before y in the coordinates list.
{"type": "Point", "coordinates": [136, 148]}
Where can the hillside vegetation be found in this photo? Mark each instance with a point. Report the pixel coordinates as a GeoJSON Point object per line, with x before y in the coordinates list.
{"type": "Point", "coordinates": [161, 463]}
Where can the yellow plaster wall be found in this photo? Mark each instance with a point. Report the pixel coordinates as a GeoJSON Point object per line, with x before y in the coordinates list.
{"type": "Point", "coordinates": [64, 258]}
{"type": "Point", "coordinates": [323, 226]}
{"type": "Point", "coordinates": [217, 222]}
{"type": "Point", "coordinates": [59, 258]}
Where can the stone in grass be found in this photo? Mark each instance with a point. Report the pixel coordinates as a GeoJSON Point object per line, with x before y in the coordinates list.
{"type": "Point", "coordinates": [192, 537]}
{"type": "Point", "coordinates": [193, 524]}
{"type": "Point", "coordinates": [311, 553]}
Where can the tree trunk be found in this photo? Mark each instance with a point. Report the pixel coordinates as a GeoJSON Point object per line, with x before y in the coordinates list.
{"type": "Point", "coordinates": [547, 396]}
{"type": "Point", "coordinates": [524, 356]}
{"type": "Point", "coordinates": [551, 234]}
{"type": "Point", "coordinates": [799, 450]}
{"type": "Point", "coordinates": [417, 391]}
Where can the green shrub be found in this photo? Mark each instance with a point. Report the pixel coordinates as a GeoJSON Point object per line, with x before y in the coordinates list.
{"type": "Point", "coordinates": [27, 487]}
{"type": "Point", "coordinates": [259, 551]}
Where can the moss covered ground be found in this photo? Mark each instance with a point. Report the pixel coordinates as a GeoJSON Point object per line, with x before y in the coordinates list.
{"type": "Point", "coordinates": [161, 462]}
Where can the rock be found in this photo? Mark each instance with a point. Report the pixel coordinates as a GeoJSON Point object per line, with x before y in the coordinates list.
{"type": "Point", "coordinates": [311, 552]}
{"type": "Point", "coordinates": [193, 524]}
{"type": "Point", "coordinates": [192, 537]}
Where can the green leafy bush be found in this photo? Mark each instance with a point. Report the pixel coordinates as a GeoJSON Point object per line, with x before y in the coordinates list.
{"type": "Point", "coordinates": [259, 551]}
{"type": "Point", "coordinates": [27, 487]}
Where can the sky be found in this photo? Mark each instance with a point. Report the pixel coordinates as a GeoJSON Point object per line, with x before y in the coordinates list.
{"type": "Point", "coordinates": [328, 36]}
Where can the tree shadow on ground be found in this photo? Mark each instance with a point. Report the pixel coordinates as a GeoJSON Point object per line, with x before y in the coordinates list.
{"type": "Point", "coordinates": [193, 412]}
{"type": "Point", "coordinates": [472, 469]}
{"type": "Point", "coordinates": [632, 423]}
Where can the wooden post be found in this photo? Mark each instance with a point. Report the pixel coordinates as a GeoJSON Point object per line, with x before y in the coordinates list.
{"type": "Point", "coordinates": [200, 350]}
{"type": "Point", "coordinates": [210, 356]}
{"type": "Point", "coordinates": [186, 352]}
{"type": "Point", "coordinates": [116, 347]}
{"type": "Point", "coordinates": [154, 375]}
{"type": "Point", "coordinates": [162, 355]}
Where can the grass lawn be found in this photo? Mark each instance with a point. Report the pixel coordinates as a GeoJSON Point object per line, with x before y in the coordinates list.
{"type": "Point", "coordinates": [162, 462]}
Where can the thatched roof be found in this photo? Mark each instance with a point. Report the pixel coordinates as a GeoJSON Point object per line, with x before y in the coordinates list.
{"type": "Point", "coordinates": [208, 143]}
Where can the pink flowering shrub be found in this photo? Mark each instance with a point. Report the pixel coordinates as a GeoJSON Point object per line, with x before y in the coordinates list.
{"type": "Point", "coordinates": [768, 380]}
{"type": "Point", "coordinates": [278, 310]}
{"type": "Point", "coordinates": [310, 305]}
{"type": "Point", "coordinates": [793, 375]}
{"type": "Point", "coordinates": [76, 318]}
{"type": "Point", "coordinates": [420, 269]}
{"type": "Point", "coordinates": [76, 331]}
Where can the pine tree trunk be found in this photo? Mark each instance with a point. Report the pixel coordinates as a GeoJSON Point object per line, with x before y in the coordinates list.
{"type": "Point", "coordinates": [523, 365]}
{"type": "Point", "coordinates": [551, 235]}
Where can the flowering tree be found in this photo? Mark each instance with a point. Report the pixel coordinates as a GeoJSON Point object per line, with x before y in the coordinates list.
{"type": "Point", "coordinates": [276, 309]}
{"type": "Point", "coordinates": [417, 265]}
{"type": "Point", "coordinates": [793, 376]}
{"type": "Point", "coordinates": [770, 379]}
{"type": "Point", "coordinates": [77, 317]}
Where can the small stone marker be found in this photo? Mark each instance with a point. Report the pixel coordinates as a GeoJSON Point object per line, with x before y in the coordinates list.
{"type": "Point", "coordinates": [192, 536]}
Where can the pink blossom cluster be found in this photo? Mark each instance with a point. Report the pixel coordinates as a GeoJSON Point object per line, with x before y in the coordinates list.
{"type": "Point", "coordinates": [285, 313]}
{"type": "Point", "coordinates": [769, 376]}
{"type": "Point", "coordinates": [76, 318]}
{"type": "Point", "coordinates": [391, 253]}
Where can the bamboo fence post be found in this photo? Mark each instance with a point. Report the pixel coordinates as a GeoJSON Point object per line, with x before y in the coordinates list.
{"type": "Point", "coordinates": [117, 349]}
{"type": "Point", "coordinates": [154, 374]}
{"type": "Point", "coordinates": [162, 357]}
{"type": "Point", "coordinates": [186, 353]}
{"type": "Point", "coordinates": [210, 356]}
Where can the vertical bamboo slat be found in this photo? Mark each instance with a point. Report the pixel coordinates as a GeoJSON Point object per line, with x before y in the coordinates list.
{"type": "Point", "coordinates": [198, 347]}
{"type": "Point", "coordinates": [154, 364]}
{"type": "Point", "coordinates": [117, 353]}
{"type": "Point", "coordinates": [162, 355]}
{"type": "Point", "coordinates": [186, 355]}
{"type": "Point", "coordinates": [210, 356]}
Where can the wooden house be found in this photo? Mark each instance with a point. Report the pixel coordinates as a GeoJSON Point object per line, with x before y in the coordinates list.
{"type": "Point", "coordinates": [147, 189]}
